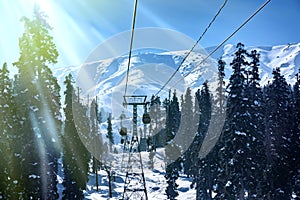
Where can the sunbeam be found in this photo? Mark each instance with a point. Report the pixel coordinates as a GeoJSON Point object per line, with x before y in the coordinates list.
{"type": "Point", "coordinates": [41, 146]}
{"type": "Point", "coordinates": [149, 15]}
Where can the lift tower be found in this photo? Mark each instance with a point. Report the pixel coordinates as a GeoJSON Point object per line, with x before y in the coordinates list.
{"type": "Point", "coordinates": [135, 184]}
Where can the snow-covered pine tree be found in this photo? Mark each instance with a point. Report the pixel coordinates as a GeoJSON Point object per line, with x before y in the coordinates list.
{"type": "Point", "coordinates": [295, 138]}
{"type": "Point", "coordinates": [49, 92]}
{"type": "Point", "coordinates": [209, 165]}
{"type": "Point", "coordinates": [172, 150]}
{"type": "Point", "coordinates": [10, 183]}
{"type": "Point", "coordinates": [278, 137]}
{"type": "Point", "coordinates": [220, 98]}
{"type": "Point", "coordinates": [196, 110]}
{"type": "Point", "coordinates": [235, 154]}
{"type": "Point", "coordinates": [193, 166]}
{"type": "Point", "coordinates": [254, 129]}
{"type": "Point", "coordinates": [187, 130]}
{"type": "Point", "coordinates": [75, 155]}
{"type": "Point", "coordinates": [173, 117]}
{"type": "Point", "coordinates": [156, 125]}
{"type": "Point", "coordinates": [96, 145]}
{"type": "Point", "coordinates": [203, 176]}
{"type": "Point", "coordinates": [173, 167]}
{"type": "Point", "coordinates": [109, 134]}
{"type": "Point", "coordinates": [37, 96]}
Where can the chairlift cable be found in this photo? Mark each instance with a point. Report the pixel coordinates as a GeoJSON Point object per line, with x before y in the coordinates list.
{"type": "Point", "coordinates": [224, 41]}
{"type": "Point", "coordinates": [131, 44]}
{"type": "Point", "coordinates": [197, 42]}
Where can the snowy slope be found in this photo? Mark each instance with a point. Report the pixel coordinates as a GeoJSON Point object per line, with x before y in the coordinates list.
{"type": "Point", "coordinates": [287, 57]}
{"type": "Point", "coordinates": [155, 182]}
{"type": "Point", "coordinates": [150, 70]}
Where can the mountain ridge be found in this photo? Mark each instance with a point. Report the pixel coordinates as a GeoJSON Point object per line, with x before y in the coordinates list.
{"type": "Point", "coordinates": [222, 52]}
{"type": "Point", "coordinates": [149, 71]}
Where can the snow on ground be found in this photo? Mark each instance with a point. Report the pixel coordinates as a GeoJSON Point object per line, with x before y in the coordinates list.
{"type": "Point", "coordinates": [155, 181]}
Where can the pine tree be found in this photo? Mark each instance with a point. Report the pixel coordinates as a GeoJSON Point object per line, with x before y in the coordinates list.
{"type": "Point", "coordinates": [254, 129]}
{"type": "Point", "coordinates": [187, 131]}
{"type": "Point", "coordinates": [110, 135]}
{"type": "Point", "coordinates": [49, 92]}
{"type": "Point", "coordinates": [209, 164]}
{"type": "Point", "coordinates": [75, 155]}
{"type": "Point", "coordinates": [193, 166]}
{"type": "Point", "coordinates": [156, 125]}
{"type": "Point", "coordinates": [37, 96]}
{"type": "Point", "coordinates": [278, 137]}
{"type": "Point", "coordinates": [295, 138]}
{"type": "Point", "coordinates": [220, 99]}
{"type": "Point", "coordinates": [173, 167]}
{"type": "Point", "coordinates": [10, 185]}
{"type": "Point", "coordinates": [190, 156]}
{"type": "Point", "coordinates": [155, 113]}
{"type": "Point", "coordinates": [196, 110]}
{"type": "Point", "coordinates": [202, 171]}
{"type": "Point", "coordinates": [236, 154]}
{"type": "Point", "coordinates": [172, 150]}
{"type": "Point", "coordinates": [173, 117]}
{"type": "Point", "coordinates": [96, 140]}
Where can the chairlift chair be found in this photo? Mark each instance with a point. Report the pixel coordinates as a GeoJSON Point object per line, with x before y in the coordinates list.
{"type": "Point", "coordinates": [146, 117]}
{"type": "Point", "coordinates": [123, 130]}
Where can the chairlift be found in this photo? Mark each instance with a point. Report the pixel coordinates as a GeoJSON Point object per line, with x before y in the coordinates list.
{"type": "Point", "coordinates": [122, 141]}
{"type": "Point", "coordinates": [146, 117]}
{"type": "Point", "coordinates": [123, 130]}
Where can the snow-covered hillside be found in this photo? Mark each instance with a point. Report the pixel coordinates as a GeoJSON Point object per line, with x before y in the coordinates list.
{"type": "Point", "coordinates": [149, 71]}
{"type": "Point", "coordinates": [287, 57]}
{"type": "Point", "coordinates": [155, 182]}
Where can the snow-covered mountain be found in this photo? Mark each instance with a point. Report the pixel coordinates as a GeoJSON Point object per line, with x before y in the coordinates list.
{"type": "Point", "coordinates": [149, 71]}
{"type": "Point", "coordinates": [287, 57]}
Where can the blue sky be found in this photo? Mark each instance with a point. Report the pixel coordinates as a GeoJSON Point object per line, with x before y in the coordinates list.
{"type": "Point", "coordinates": [79, 26]}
